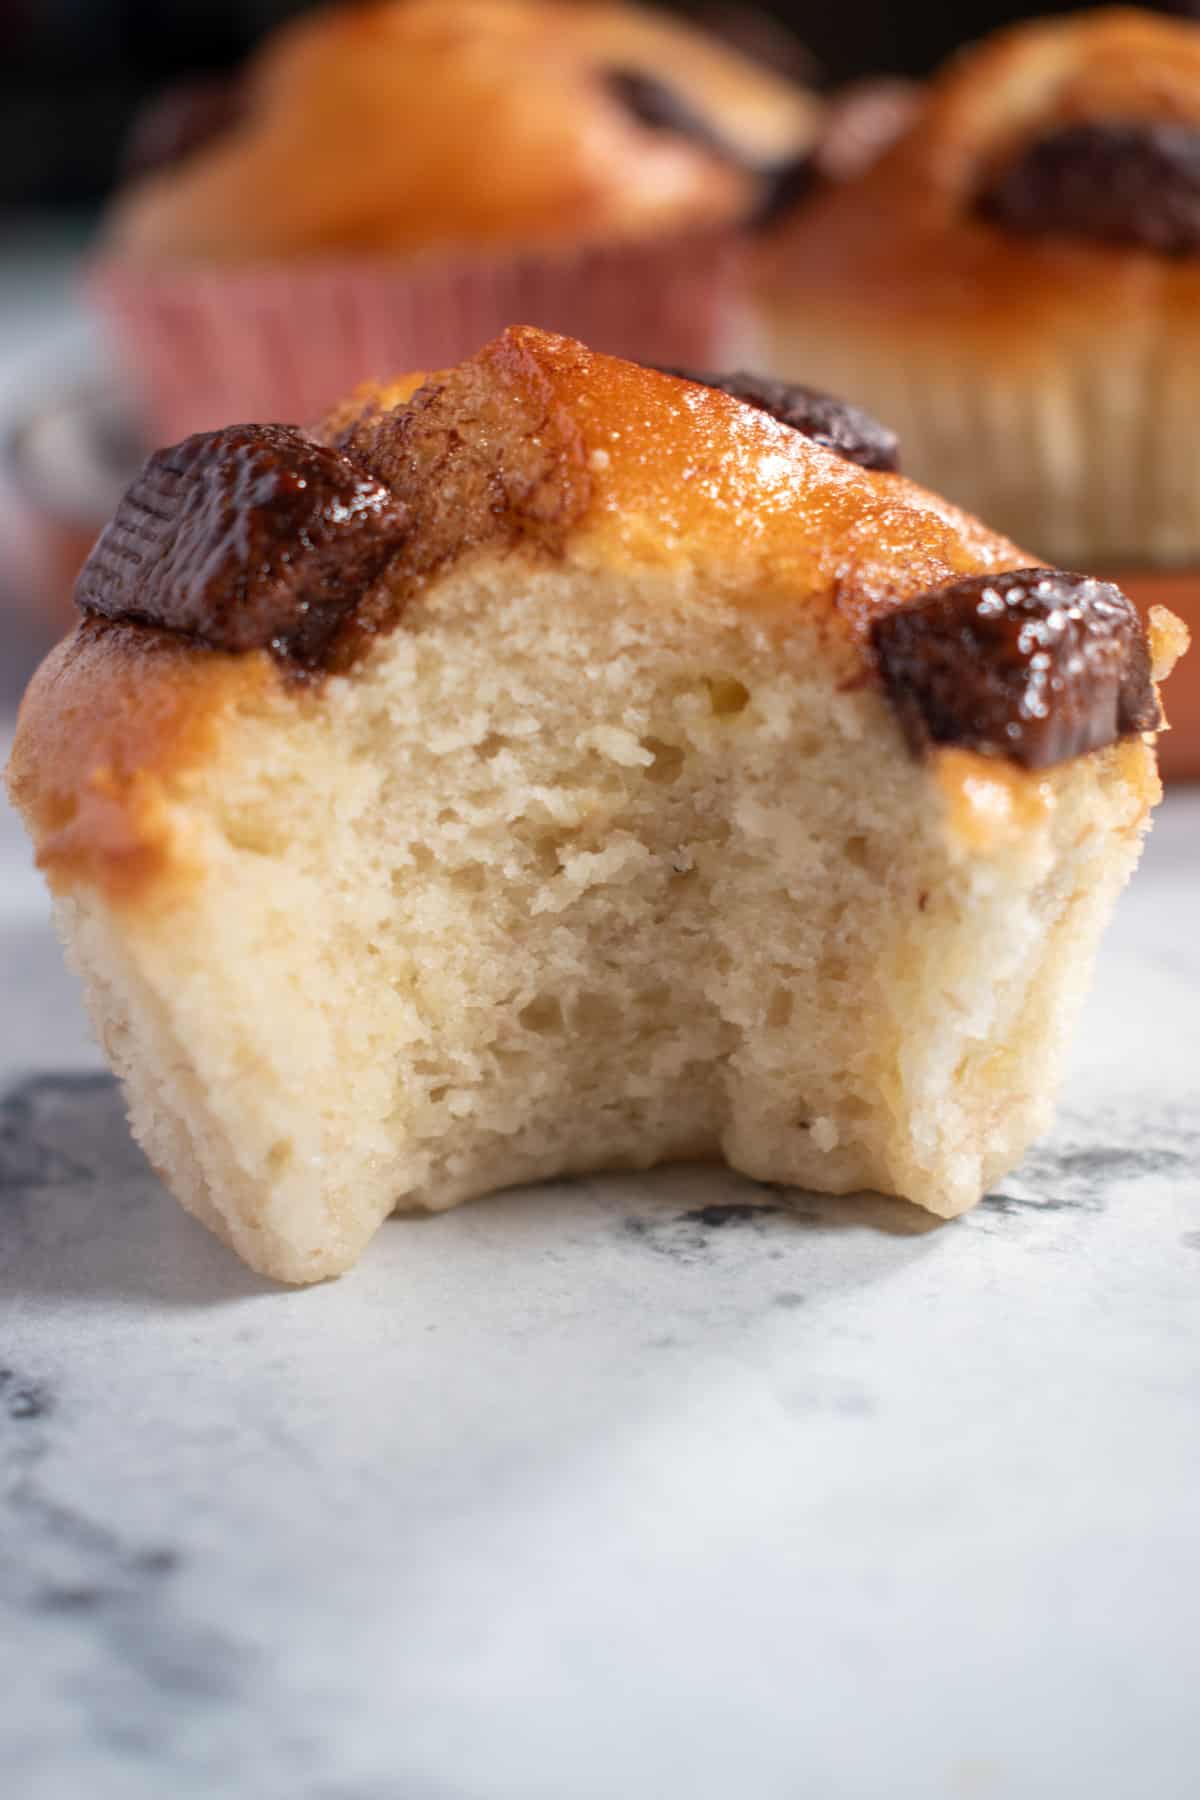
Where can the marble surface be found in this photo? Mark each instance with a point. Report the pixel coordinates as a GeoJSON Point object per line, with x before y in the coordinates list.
{"type": "Point", "coordinates": [629, 1488]}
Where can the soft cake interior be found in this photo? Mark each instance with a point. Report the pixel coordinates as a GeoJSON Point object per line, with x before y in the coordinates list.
{"type": "Point", "coordinates": [580, 871]}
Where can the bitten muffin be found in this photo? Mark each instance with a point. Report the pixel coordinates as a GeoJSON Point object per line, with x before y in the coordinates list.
{"type": "Point", "coordinates": [554, 765]}
{"type": "Point", "coordinates": [1015, 285]}
{"type": "Point", "coordinates": [391, 183]}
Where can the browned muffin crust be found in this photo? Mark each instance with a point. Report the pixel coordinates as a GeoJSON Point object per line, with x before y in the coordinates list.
{"type": "Point", "coordinates": [262, 538]}
{"type": "Point", "coordinates": [481, 453]}
{"type": "Point", "coordinates": [111, 721]}
{"type": "Point", "coordinates": [535, 122]}
{"type": "Point", "coordinates": [835, 424]}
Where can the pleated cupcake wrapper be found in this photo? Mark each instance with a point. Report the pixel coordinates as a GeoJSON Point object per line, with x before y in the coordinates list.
{"type": "Point", "coordinates": [1083, 463]}
{"type": "Point", "coordinates": [205, 348]}
{"type": "Point", "coordinates": [1088, 453]}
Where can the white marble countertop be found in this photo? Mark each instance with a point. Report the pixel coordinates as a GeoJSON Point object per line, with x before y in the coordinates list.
{"type": "Point", "coordinates": [597, 1493]}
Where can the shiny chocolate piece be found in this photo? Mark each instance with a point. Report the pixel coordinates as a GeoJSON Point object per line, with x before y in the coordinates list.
{"type": "Point", "coordinates": [253, 537]}
{"type": "Point", "coordinates": [1035, 665]}
{"type": "Point", "coordinates": [1135, 183]}
{"type": "Point", "coordinates": [828, 421]}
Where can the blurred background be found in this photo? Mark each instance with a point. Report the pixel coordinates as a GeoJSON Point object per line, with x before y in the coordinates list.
{"type": "Point", "coordinates": [72, 72]}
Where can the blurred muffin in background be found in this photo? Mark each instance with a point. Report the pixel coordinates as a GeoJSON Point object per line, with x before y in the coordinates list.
{"type": "Point", "coordinates": [1014, 286]}
{"type": "Point", "coordinates": [862, 120]}
{"type": "Point", "coordinates": [390, 184]}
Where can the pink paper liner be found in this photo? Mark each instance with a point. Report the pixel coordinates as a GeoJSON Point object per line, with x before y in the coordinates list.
{"type": "Point", "coordinates": [210, 347]}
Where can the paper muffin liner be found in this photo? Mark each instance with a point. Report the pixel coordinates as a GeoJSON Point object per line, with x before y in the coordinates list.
{"type": "Point", "coordinates": [204, 348]}
{"type": "Point", "coordinates": [1083, 449]}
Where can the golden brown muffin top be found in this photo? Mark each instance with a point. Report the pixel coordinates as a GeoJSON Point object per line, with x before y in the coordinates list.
{"type": "Point", "coordinates": [248, 567]}
{"type": "Point", "coordinates": [266, 537]}
{"type": "Point", "coordinates": [400, 126]}
{"type": "Point", "coordinates": [1050, 179]}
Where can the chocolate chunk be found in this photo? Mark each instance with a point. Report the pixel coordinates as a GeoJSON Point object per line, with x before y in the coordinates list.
{"type": "Point", "coordinates": [783, 187]}
{"type": "Point", "coordinates": [660, 107]}
{"type": "Point", "coordinates": [1035, 665]}
{"type": "Point", "coordinates": [253, 537]}
{"type": "Point", "coordinates": [182, 118]}
{"type": "Point", "coordinates": [830, 422]}
{"type": "Point", "coordinates": [1135, 183]}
